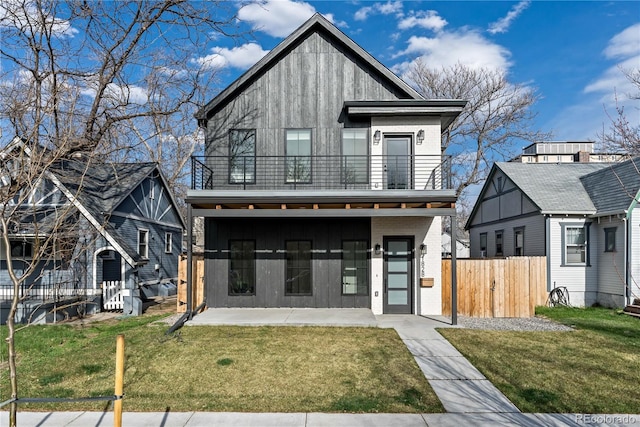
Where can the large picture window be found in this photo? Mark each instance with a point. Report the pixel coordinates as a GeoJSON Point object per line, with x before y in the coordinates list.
{"type": "Point", "coordinates": [298, 156]}
{"type": "Point", "coordinates": [242, 156]}
{"type": "Point", "coordinates": [355, 267]}
{"type": "Point", "coordinates": [242, 267]}
{"type": "Point", "coordinates": [355, 159]}
{"type": "Point", "coordinates": [298, 265]}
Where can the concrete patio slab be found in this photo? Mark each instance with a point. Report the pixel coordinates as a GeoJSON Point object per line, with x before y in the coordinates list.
{"type": "Point", "coordinates": [471, 396]}
{"type": "Point", "coordinates": [448, 368]}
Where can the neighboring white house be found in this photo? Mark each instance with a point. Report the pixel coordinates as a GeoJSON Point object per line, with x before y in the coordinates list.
{"type": "Point", "coordinates": [583, 217]}
{"type": "Point", "coordinates": [462, 246]}
{"type": "Point", "coordinates": [565, 152]}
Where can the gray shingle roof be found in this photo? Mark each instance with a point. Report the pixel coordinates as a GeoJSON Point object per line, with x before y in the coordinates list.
{"type": "Point", "coordinates": [613, 189]}
{"type": "Point", "coordinates": [554, 188]}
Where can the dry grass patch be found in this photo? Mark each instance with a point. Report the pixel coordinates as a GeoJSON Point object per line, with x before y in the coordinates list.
{"type": "Point", "coordinates": [247, 369]}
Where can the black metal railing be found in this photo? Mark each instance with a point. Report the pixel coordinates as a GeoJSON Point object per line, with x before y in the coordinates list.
{"type": "Point", "coordinates": [321, 172]}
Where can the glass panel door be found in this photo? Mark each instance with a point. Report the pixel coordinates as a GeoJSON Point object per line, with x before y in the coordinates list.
{"type": "Point", "coordinates": [398, 163]}
{"type": "Point", "coordinates": [398, 274]}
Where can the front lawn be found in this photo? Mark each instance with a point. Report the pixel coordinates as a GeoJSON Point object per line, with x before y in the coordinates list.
{"type": "Point", "coordinates": [246, 369]}
{"type": "Point", "coordinates": [594, 369]}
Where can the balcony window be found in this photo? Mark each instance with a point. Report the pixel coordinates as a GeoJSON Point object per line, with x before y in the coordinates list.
{"type": "Point", "coordinates": [242, 156]}
{"type": "Point", "coordinates": [298, 156]}
{"type": "Point", "coordinates": [355, 150]}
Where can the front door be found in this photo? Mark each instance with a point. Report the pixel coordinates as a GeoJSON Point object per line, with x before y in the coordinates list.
{"type": "Point", "coordinates": [398, 274]}
{"type": "Point", "coordinates": [398, 162]}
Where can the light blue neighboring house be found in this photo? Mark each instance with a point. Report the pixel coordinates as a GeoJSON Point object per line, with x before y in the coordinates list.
{"type": "Point", "coordinates": [123, 239]}
{"type": "Point", "coordinates": [582, 216]}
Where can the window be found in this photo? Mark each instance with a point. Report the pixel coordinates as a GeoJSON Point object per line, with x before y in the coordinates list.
{"type": "Point", "coordinates": [610, 239]}
{"type": "Point", "coordinates": [152, 190]}
{"type": "Point", "coordinates": [355, 267]}
{"type": "Point", "coordinates": [298, 267]}
{"type": "Point", "coordinates": [168, 243]}
{"type": "Point", "coordinates": [298, 156]}
{"type": "Point", "coordinates": [518, 241]}
{"type": "Point", "coordinates": [242, 156]}
{"type": "Point", "coordinates": [483, 244]}
{"type": "Point", "coordinates": [242, 267]}
{"type": "Point", "coordinates": [355, 159]}
{"type": "Point", "coordinates": [143, 243]}
{"type": "Point", "coordinates": [575, 245]}
{"type": "Point", "coordinates": [21, 249]}
{"type": "Point", "coordinates": [499, 243]}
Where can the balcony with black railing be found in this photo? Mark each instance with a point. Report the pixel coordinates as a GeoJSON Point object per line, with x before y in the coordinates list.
{"type": "Point", "coordinates": [415, 172]}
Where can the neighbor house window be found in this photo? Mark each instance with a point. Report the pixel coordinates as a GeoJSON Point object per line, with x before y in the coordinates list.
{"type": "Point", "coordinates": [518, 241]}
{"type": "Point", "coordinates": [610, 239]}
{"type": "Point", "coordinates": [499, 243]}
{"type": "Point", "coordinates": [143, 243]}
{"type": "Point", "coordinates": [298, 265]}
{"type": "Point", "coordinates": [21, 249]}
{"type": "Point", "coordinates": [355, 159]}
{"type": "Point", "coordinates": [298, 156]}
{"type": "Point", "coordinates": [575, 244]}
{"type": "Point", "coordinates": [242, 156]}
{"type": "Point", "coordinates": [483, 244]}
{"type": "Point", "coordinates": [355, 267]}
{"type": "Point", "coordinates": [242, 267]}
{"type": "Point", "coordinates": [168, 243]}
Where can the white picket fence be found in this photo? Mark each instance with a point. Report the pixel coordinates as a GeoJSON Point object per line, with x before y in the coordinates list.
{"type": "Point", "coordinates": [112, 295]}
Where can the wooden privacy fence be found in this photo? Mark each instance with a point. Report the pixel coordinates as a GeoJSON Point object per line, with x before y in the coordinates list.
{"type": "Point", "coordinates": [506, 287]}
{"type": "Point", "coordinates": [197, 275]}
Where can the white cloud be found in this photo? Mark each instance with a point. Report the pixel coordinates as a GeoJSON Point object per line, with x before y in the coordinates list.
{"type": "Point", "coordinates": [428, 19]}
{"type": "Point", "coordinates": [278, 18]}
{"type": "Point", "coordinates": [121, 95]}
{"type": "Point", "coordinates": [465, 47]}
{"type": "Point", "coordinates": [26, 15]}
{"type": "Point", "coordinates": [624, 44]}
{"type": "Point", "coordinates": [238, 57]}
{"type": "Point", "coordinates": [503, 24]}
{"type": "Point", "coordinates": [388, 8]}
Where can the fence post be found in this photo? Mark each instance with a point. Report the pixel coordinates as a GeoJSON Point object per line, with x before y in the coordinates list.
{"type": "Point", "coordinates": [119, 388]}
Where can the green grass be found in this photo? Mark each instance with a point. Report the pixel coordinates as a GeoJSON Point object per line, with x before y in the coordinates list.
{"type": "Point", "coordinates": [593, 369]}
{"type": "Point", "coordinates": [246, 369]}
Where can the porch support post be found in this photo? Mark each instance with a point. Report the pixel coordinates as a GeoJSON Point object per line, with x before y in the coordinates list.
{"type": "Point", "coordinates": [454, 284]}
{"type": "Point", "coordinates": [189, 261]}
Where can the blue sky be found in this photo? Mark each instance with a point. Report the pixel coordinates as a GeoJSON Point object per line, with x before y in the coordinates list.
{"type": "Point", "coordinates": [569, 51]}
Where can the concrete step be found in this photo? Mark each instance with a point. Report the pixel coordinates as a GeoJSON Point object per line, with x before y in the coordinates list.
{"type": "Point", "coordinates": [628, 313]}
{"type": "Point", "coordinates": [635, 309]}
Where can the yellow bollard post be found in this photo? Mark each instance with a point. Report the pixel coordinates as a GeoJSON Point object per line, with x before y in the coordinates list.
{"type": "Point", "coordinates": [119, 389]}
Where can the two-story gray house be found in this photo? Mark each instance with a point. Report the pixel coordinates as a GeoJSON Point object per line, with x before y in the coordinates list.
{"type": "Point", "coordinates": [323, 182]}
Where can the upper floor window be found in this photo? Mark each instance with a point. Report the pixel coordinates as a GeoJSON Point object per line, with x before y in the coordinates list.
{"type": "Point", "coordinates": [298, 156]}
{"type": "Point", "coordinates": [168, 243]}
{"type": "Point", "coordinates": [143, 243]}
{"type": "Point", "coordinates": [355, 160]}
{"type": "Point", "coordinates": [518, 241]}
{"type": "Point", "coordinates": [242, 156]}
{"type": "Point", "coordinates": [610, 239]}
{"type": "Point", "coordinates": [21, 249]}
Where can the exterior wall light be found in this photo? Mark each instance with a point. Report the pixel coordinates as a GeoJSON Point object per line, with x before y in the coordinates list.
{"type": "Point", "coordinates": [423, 249]}
{"type": "Point", "coordinates": [420, 136]}
{"type": "Point", "coordinates": [376, 137]}
{"type": "Point", "coordinates": [377, 249]}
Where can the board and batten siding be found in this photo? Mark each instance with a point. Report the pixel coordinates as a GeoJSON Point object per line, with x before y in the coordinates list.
{"type": "Point", "coordinates": [580, 280]}
{"type": "Point", "coordinates": [611, 265]}
{"type": "Point", "coordinates": [306, 88]}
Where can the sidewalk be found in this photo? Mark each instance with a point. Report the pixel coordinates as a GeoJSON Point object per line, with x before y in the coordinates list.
{"type": "Point", "coordinates": [234, 419]}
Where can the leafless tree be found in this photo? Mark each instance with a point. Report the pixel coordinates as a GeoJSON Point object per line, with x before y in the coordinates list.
{"type": "Point", "coordinates": [623, 132]}
{"type": "Point", "coordinates": [111, 80]}
{"type": "Point", "coordinates": [498, 115]}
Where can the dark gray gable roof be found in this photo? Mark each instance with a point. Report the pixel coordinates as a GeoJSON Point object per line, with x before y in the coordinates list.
{"type": "Point", "coordinates": [316, 23]}
{"type": "Point", "coordinates": [615, 188]}
{"type": "Point", "coordinates": [553, 188]}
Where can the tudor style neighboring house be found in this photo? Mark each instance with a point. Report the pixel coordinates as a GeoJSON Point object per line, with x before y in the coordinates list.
{"type": "Point", "coordinates": [583, 217]}
{"type": "Point", "coordinates": [121, 241]}
{"type": "Point", "coordinates": [323, 183]}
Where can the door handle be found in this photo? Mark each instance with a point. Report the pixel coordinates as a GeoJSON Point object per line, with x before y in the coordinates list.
{"type": "Point", "coordinates": [385, 286]}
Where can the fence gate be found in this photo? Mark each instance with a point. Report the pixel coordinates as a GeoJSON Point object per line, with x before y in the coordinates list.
{"type": "Point", "coordinates": [112, 295]}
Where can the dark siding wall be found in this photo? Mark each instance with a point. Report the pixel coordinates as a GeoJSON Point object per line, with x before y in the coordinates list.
{"type": "Point", "coordinates": [270, 236]}
{"type": "Point", "coordinates": [304, 89]}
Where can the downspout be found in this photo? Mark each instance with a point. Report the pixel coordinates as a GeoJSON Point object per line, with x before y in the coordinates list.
{"type": "Point", "coordinates": [454, 283]}
{"type": "Point", "coordinates": [189, 262]}
{"type": "Point", "coordinates": [547, 248]}
{"type": "Point", "coordinates": [627, 258]}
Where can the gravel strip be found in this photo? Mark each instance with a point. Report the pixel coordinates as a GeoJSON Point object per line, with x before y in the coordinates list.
{"type": "Point", "coordinates": [512, 324]}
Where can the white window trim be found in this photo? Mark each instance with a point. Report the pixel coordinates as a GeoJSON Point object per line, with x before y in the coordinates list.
{"type": "Point", "coordinates": [168, 243]}
{"type": "Point", "coordinates": [146, 247]}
